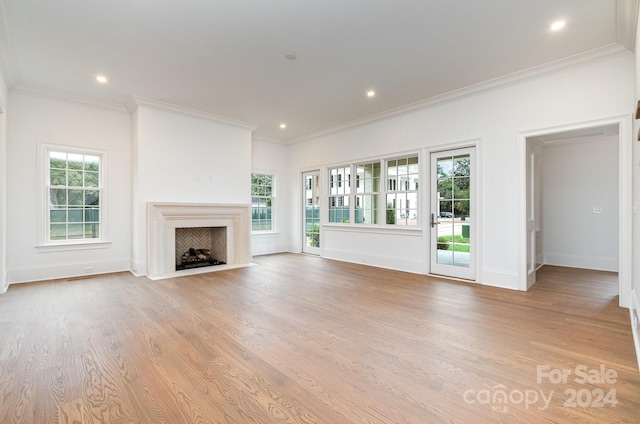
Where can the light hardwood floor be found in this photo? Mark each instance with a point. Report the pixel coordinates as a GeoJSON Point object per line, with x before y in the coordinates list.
{"type": "Point", "coordinates": [300, 339]}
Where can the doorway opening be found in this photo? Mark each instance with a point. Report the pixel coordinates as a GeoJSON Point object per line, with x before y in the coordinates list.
{"type": "Point", "coordinates": [576, 188]}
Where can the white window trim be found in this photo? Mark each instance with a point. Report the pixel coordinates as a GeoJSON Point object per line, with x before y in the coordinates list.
{"type": "Point", "coordinates": [274, 187]}
{"type": "Point", "coordinates": [43, 244]}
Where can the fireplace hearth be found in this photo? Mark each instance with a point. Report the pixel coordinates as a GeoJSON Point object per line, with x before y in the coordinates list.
{"type": "Point", "coordinates": [197, 258]}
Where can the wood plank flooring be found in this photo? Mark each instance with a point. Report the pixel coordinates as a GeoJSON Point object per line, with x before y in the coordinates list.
{"type": "Point", "coordinates": [300, 339]}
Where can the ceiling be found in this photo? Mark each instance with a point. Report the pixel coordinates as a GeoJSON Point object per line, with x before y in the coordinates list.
{"type": "Point", "coordinates": [227, 57]}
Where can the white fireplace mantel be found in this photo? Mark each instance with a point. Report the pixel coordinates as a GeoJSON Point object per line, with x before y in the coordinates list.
{"type": "Point", "coordinates": [164, 218]}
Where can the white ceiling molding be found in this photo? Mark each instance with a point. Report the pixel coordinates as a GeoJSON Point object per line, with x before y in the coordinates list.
{"type": "Point", "coordinates": [268, 140]}
{"type": "Point", "coordinates": [627, 21]}
{"type": "Point", "coordinates": [28, 88]}
{"type": "Point", "coordinates": [135, 101]}
{"type": "Point", "coordinates": [581, 59]}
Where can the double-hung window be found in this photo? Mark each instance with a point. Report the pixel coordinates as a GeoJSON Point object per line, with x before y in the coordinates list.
{"type": "Point", "coordinates": [367, 193]}
{"type": "Point", "coordinates": [262, 202]}
{"type": "Point", "coordinates": [339, 194]}
{"type": "Point", "coordinates": [402, 191]}
{"type": "Point", "coordinates": [74, 186]}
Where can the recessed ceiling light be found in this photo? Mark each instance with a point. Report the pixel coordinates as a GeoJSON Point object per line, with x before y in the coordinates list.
{"type": "Point", "coordinates": [291, 56]}
{"type": "Point", "coordinates": [371, 93]}
{"type": "Point", "coordinates": [283, 126]}
{"type": "Point", "coordinates": [557, 25]}
{"type": "Point", "coordinates": [101, 79]}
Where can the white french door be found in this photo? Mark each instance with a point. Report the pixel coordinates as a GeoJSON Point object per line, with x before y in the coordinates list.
{"type": "Point", "coordinates": [452, 213]}
{"type": "Point", "coordinates": [311, 213]}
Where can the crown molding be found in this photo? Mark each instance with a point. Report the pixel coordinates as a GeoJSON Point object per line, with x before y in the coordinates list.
{"type": "Point", "coordinates": [135, 102]}
{"type": "Point", "coordinates": [581, 59]}
{"type": "Point", "coordinates": [627, 22]}
{"type": "Point", "coordinates": [268, 140]}
{"type": "Point", "coordinates": [60, 95]}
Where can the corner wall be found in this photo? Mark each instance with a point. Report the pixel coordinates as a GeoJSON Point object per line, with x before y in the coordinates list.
{"type": "Point", "coordinates": [184, 158]}
{"type": "Point", "coordinates": [598, 90]}
{"type": "Point", "coordinates": [4, 281]}
{"type": "Point", "coordinates": [273, 158]}
{"type": "Point", "coordinates": [34, 118]}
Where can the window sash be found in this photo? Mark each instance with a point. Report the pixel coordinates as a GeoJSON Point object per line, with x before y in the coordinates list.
{"type": "Point", "coordinates": [262, 202]}
{"type": "Point", "coordinates": [74, 196]}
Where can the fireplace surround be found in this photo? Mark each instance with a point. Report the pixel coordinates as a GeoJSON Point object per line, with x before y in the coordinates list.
{"type": "Point", "coordinates": [164, 218]}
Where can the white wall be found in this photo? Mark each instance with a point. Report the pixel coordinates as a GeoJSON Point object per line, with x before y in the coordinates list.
{"type": "Point", "coordinates": [579, 176]}
{"type": "Point", "coordinates": [184, 158]}
{"type": "Point", "coordinates": [636, 167]}
{"type": "Point", "coordinates": [598, 90]}
{"type": "Point", "coordinates": [32, 119]}
{"type": "Point", "coordinates": [4, 282]}
{"type": "Point", "coordinates": [272, 158]}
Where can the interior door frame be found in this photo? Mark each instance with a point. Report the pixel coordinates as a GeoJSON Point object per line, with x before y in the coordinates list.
{"type": "Point", "coordinates": [477, 145]}
{"type": "Point", "coordinates": [625, 198]}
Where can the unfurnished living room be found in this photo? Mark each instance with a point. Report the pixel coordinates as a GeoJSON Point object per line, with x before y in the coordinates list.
{"type": "Point", "coordinates": [332, 212]}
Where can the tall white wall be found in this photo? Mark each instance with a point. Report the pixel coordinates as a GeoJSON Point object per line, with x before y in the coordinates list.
{"type": "Point", "coordinates": [4, 282]}
{"type": "Point", "coordinates": [184, 158]}
{"type": "Point", "coordinates": [578, 177]}
{"type": "Point", "coordinates": [34, 118]}
{"type": "Point", "coordinates": [273, 158]}
{"type": "Point", "coordinates": [636, 167]}
{"type": "Point", "coordinates": [598, 90]}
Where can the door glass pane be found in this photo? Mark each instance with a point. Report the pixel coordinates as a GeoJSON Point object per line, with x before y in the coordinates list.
{"type": "Point", "coordinates": [312, 211]}
{"type": "Point", "coordinates": [453, 244]}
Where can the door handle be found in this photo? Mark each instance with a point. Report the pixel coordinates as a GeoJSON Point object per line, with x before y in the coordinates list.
{"type": "Point", "coordinates": [433, 220]}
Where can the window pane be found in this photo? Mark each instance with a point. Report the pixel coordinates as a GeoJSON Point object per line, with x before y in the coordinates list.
{"type": "Point", "coordinates": [57, 160]}
{"type": "Point", "coordinates": [75, 215]}
{"type": "Point", "coordinates": [75, 161]}
{"type": "Point", "coordinates": [445, 189]}
{"type": "Point", "coordinates": [58, 215]}
{"type": "Point", "coordinates": [91, 231]}
{"type": "Point", "coordinates": [91, 215]}
{"type": "Point", "coordinates": [58, 177]}
{"type": "Point", "coordinates": [58, 231]}
{"type": "Point", "coordinates": [58, 197]}
{"type": "Point", "coordinates": [91, 163]}
{"type": "Point", "coordinates": [75, 231]}
{"type": "Point", "coordinates": [92, 198]}
{"type": "Point", "coordinates": [75, 178]}
{"type": "Point", "coordinates": [91, 179]}
{"type": "Point", "coordinates": [75, 197]}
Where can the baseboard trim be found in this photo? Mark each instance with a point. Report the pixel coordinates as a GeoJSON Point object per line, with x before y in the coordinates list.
{"type": "Point", "coordinates": [54, 272]}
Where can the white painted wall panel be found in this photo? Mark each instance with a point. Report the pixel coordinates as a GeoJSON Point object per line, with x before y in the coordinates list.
{"type": "Point", "coordinates": [184, 158]}
{"type": "Point", "coordinates": [273, 158]}
{"type": "Point", "coordinates": [4, 282]}
{"type": "Point", "coordinates": [33, 118]}
{"type": "Point", "coordinates": [599, 90]}
{"type": "Point", "coordinates": [578, 177]}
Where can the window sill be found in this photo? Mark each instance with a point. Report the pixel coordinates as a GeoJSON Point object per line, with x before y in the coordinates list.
{"type": "Point", "coordinates": [373, 228]}
{"type": "Point", "coordinates": [70, 246]}
{"type": "Point", "coordinates": [265, 233]}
